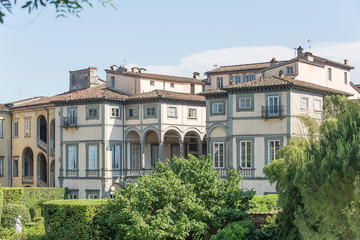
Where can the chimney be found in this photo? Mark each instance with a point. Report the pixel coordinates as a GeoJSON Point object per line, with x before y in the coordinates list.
{"type": "Point", "coordinates": [142, 70]}
{"type": "Point", "coordinates": [83, 78]}
{"type": "Point", "coordinates": [77, 92]}
{"type": "Point", "coordinates": [261, 79]}
{"type": "Point", "coordinates": [196, 75]}
{"type": "Point", "coordinates": [135, 69]}
{"type": "Point", "coordinates": [274, 62]}
{"type": "Point", "coordinates": [299, 51]}
{"type": "Point", "coordinates": [346, 62]}
{"type": "Point", "coordinates": [121, 69]}
{"type": "Point", "coordinates": [231, 82]}
{"type": "Point", "coordinates": [114, 67]}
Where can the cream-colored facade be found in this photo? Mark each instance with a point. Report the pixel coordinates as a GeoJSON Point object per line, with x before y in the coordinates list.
{"type": "Point", "coordinates": [256, 119]}
{"type": "Point", "coordinates": [5, 146]}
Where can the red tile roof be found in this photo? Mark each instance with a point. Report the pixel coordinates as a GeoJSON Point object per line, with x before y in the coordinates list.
{"type": "Point", "coordinates": [242, 67]}
{"type": "Point", "coordinates": [158, 77]}
{"type": "Point", "coordinates": [3, 107]}
{"type": "Point", "coordinates": [98, 92]}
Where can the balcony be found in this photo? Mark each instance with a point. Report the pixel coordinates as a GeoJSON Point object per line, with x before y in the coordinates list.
{"type": "Point", "coordinates": [245, 173]}
{"type": "Point", "coordinates": [69, 122]}
{"type": "Point", "coordinates": [276, 111]}
{"type": "Point", "coordinates": [135, 173]}
{"type": "Point", "coordinates": [27, 179]}
{"type": "Point", "coordinates": [92, 173]}
{"type": "Point", "coordinates": [72, 173]}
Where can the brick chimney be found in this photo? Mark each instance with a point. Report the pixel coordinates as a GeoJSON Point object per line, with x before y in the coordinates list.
{"type": "Point", "coordinates": [84, 78]}
{"type": "Point", "coordinates": [299, 50]}
{"type": "Point", "coordinates": [196, 75]}
{"type": "Point", "coordinates": [346, 62]}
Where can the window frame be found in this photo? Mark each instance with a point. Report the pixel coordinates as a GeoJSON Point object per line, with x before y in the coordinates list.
{"type": "Point", "coordinates": [329, 74]}
{"type": "Point", "coordinates": [15, 160]}
{"type": "Point", "coordinates": [153, 111]}
{"type": "Point", "coordinates": [91, 108]}
{"type": "Point", "coordinates": [135, 110]}
{"type": "Point", "coordinates": [272, 156]}
{"type": "Point", "coordinates": [219, 82]}
{"type": "Point", "coordinates": [88, 145]}
{"type": "Point", "coordinates": [246, 141]}
{"type": "Point", "coordinates": [219, 156]}
{"type": "Point", "coordinates": [117, 110]}
{"type": "Point", "coordinates": [345, 78]}
{"type": "Point", "coordinates": [27, 127]}
{"type": "Point", "coordinates": [320, 108]}
{"type": "Point", "coordinates": [76, 160]}
{"type": "Point", "coordinates": [94, 192]}
{"type": "Point", "coordinates": [267, 146]}
{"type": "Point", "coordinates": [168, 112]}
{"type": "Point", "coordinates": [152, 83]}
{"type": "Point", "coordinates": [73, 192]}
{"type": "Point", "coordinates": [2, 166]}
{"type": "Point", "coordinates": [302, 103]}
{"type": "Point", "coordinates": [1, 128]}
{"type": "Point", "coordinates": [172, 85]}
{"type": "Point", "coordinates": [16, 128]}
{"type": "Point", "coordinates": [289, 70]}
{"type": "Point", "coordinates": [112, 81]}
{"type": "Point", "coordinates": [113, 155]}
{"type": "Point", "coordinates": [189, 115]}
{"type": "Point", "coordinates": [244, 96]}
{"type": "Point", "coordinates": [217, 101]}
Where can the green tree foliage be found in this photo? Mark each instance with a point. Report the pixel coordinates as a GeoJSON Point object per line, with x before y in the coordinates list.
{"type": "Point", "coordinates": [183, 199]}
{"type": "Point", "coordinates": [328, 179]}
{"type": "Point", "coordinates": [242, 230]}
{"type": "Point", "coordinates": [62, 7]}
{"type": "Point", "coordinates": [264, 203]}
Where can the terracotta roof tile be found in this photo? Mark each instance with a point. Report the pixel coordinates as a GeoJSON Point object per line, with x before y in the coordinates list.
{"type": "Point", "coordinates": [241, 67]}
{"type": "Point", "coordinates": [3, 107]}
{"type": "Point", "coordinates": [167, 95]}
{"type": "Point", "coordinates": [158, 76]}
{"type": "Point", "coordinates": [281, 81]}
{"type": "Point", "coordinates": [89, 93]}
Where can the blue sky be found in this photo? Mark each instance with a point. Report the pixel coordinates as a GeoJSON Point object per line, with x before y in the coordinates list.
{"type": "Point", "coordinates": [170, 37]}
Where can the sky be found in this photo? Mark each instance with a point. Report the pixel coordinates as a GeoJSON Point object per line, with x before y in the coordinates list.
{"type": "Point", "coordinates": [172, 37]}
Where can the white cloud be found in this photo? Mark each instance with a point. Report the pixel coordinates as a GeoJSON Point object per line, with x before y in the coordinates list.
{"type": "Point", "coordinates": [204, 61]}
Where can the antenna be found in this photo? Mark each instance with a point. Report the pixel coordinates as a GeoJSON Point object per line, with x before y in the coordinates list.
{"type": "Point", "coordinates": [124, 62]}
{"type": "Point", "coordinates": [309, 41]}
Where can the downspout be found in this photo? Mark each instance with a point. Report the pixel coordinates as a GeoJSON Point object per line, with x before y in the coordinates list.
{"type": "Point", "coordinates": [124, 145]}
{"type": "Point", "coordinates": [48, 147]}
{"type": "Point", "coordinates": [10, 172]}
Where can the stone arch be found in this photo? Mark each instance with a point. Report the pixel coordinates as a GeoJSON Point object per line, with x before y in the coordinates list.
{"type": "Point", "coordinates": [132, 129]}
{"type": "Point", "coordinates": [42, 170]}
{"type": "Point", "coordinates": [217, 125]}
{"type": "Point", "coordinates": [173, 145]}
{"type": "Point", "coordinates": [150, 128]}
{"type": "Point", "coordinates": [176, 129]}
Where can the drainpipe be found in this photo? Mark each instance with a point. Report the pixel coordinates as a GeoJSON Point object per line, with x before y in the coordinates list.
{"type": "Point", "coordinates": [10, 176]}
{"type": "Point", "coordinates": [124, 145]}
{"type": "Point", "coordinates": [48, 147]}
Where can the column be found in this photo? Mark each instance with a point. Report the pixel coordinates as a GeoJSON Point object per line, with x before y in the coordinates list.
{"type": "Point", "coordinates": [142, 156]}
{"type": "Point", "coordinates": [161, 154]}
{"type": "Point", "coordinates": [181, 145]}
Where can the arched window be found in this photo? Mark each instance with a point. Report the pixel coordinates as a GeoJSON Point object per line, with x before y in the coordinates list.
{"type": "Point", "coordinates": [28, 162]}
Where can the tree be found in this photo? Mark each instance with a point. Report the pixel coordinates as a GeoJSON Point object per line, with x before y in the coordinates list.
{"type": "Point", "coordinates": [62, 7]}
{"type": "Point", "coordinates": [183, 199]}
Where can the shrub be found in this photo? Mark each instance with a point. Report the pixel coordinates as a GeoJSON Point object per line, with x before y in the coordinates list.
{"type": "Point", "coordinates": [32, 198]}
{"type": "Point", "coordinates": [269, 230]}
{"type": "Point", "coordinates": [264, 203]}
{"type": "Point", "coordinates": [11, 211]}
{"type": "Point", "coordinates": [73, 219]}
{"type": "Point", "coordinates": [237, 231]}
{"type": "Point", "coordinates": [1, 201]}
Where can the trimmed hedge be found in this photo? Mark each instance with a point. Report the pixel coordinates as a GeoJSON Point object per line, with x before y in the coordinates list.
{"type": "Point", "coordinates": [11, 211]}
{"type": "Point", "coordinates": [32, 198]}
{"type": "Point", "coordinates": [75, 219]}
{"type": "Point", "coordinates": [1, 201]}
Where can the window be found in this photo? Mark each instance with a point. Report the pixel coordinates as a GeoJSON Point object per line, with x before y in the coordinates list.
{"type": "Point", "coordinates": [345, 78]}
{"type": "Point", "coordinates": [244, 103]}
{"type": "Point", "coordinates": [92, 194]}
{"type": "Point", "coordinates": [135, 156]}
{"type": "Point", "coordinates": [115, 112]}
{"type": "Point", "coordinates": [289, 71]}
{"type": "Point", "coordinates": [219, 82]}
{"type": "Point", "coordinates": [92, 112]}
{"type": "Point", "coordinates": [237, 79]}
{"type": "Point", "coordinates": [192, 88]}
{"type": "Point", "coordinates": [112, 82]}
{"type": "Point", "coordinates": [245, 154]}
{"type": "Point", "coordinates": [272, 107]}
{"type": "Point", "coordinates": [263, 74]}
{"type": "Point", "coordinates": [317, 105]}
{"type": "Point", "coordinates": [273, 147]}
{"type": "Point", "coordinates": [172, 85]}
{"type": "Point", "coordinates": [192, 113]}
{"type": "Point", "coordinates": [71, 116]}
{"type": "Point", "coordinates": [172, 112]}
{"type": "Point", "coordinates": [16, 127]}
{"type": "Point", "coordinates": [150, 112]}
{"type": "Point", "coordinates": [329, 74]}
{"type": "Point", "coordinates": [73, 194]}
{"type": "Point", "coordinates": [218, 154]}
{"type": "Point", "coordinates": [16, 168]}
{"type": "Point", "coordinates": [304, 103]}
{"type": "Point", "coordinates": [115, 152]}
{"type": "Point", "coordinates": [92, 157]}
{"type": "Point", "coordinates": [250, 77]}
{"type": "Point", "coordinates": [217, 108]}
{"type": "Point", "coordinates": [1, 166]}
{"type": "Point", "coordinates": [27, 127]}
{"type": "Point", "coordinates": [152, 83]}
{"type": "Point", "coordinates": [1, 128]}
{"type": "Point", "coordinates": [72, 157]}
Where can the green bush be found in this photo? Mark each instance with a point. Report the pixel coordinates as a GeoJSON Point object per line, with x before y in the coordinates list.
{"type": "Point", "coordinates": [1, 201]}
{"type": "Point", "coordinates": [32, 198]}
{"type": "Point", "coordinates": [11, 211]}
{"type": "Point", "coordinates": [73, 219]}
{"type": "Point", "coordinates": [269, 230]}
{"type": "Point", "coordinates": [264, 203]}
{"type": "Point", "coordinates": [35, 231]}
{"type": "Point", "coordinates": [237, 231]}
